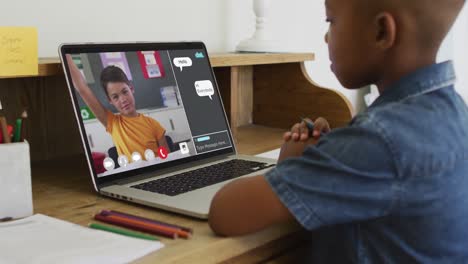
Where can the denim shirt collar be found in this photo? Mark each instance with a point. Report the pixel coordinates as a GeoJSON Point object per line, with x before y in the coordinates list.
{"type": "Point", "coordinates": [422, 81]}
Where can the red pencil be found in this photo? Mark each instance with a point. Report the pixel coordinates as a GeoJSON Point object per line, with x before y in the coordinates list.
{"type": "Point", "coordinates": [4, 127]}
{"type": "Point", "coordinates": [142, 224]}
{"type": "Point", "coordinates": [113, 212]}
{"type": "Point", "coordinates": [113, 221]}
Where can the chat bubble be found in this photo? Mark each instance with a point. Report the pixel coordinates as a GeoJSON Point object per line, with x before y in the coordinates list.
{"type": "Point", "coordinates": [182, 62]}
{"type": "Point", "coordinates": [204, 88]}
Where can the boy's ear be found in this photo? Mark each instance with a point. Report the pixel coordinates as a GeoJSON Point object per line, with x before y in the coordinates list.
{"type": "Point", "coordinates": [385, 30]}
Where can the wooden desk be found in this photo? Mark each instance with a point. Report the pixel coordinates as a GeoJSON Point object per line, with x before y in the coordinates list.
{"type": "Point", "coordinates": [271, 90]}
{"type": "Point", "coordinates": [63, 189]}
{"type": "Point", "coordinates": [263, 95]}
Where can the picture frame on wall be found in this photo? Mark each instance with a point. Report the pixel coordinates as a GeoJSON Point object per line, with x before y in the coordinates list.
{"type": "Point", "coordinates": [116, 59]}
{"type": "Point", "coordinates": [151, 65]}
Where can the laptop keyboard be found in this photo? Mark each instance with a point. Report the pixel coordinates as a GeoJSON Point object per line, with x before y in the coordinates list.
{"type": "Point", "coordinates": [199, 178]}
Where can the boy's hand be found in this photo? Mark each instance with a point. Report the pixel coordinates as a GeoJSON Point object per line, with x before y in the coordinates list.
{"type": "Point", "coordinates": [301, 132]}
{"type": "Point", "coordinates": [291, 149]}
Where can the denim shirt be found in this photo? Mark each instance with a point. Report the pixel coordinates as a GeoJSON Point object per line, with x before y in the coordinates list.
{"type": "Point", "coordinates": [394, 181]}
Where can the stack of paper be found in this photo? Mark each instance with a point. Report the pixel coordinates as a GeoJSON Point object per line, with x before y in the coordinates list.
{"type": "Point", "coordinates": [43, 239]}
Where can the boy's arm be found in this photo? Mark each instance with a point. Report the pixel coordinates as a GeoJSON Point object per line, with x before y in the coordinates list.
{"type": "Point", "coordinates": [249, 204]}
{"type": "Point", "coordinates": [246, 206]}
{"type": "Point", "coordinates": [86, 93]}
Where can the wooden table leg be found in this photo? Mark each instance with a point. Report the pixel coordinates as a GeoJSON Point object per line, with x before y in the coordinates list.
{"type": "Point", "coordinates": [241, 96]}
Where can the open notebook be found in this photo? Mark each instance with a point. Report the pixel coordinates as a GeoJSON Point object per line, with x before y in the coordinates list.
{"type": "Point", "coordinates": [43, 239]}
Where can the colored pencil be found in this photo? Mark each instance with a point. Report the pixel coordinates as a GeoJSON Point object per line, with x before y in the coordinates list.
{"type": "Point", "coordinates": [24, 116]}
{"type": "Point", "coordinates": [133, 226]}
{"type": "Point", "coordinates": [310, 126]}
{"type": "Point", "coordinates": [121, 231]}
{"type": "Point", "coordinates": [4, 127]}
{"type": "Point", "coordinates": [17, 133]}
{"type": "Point", "coordinates": [150, 226]}
{"type": "Point", "coordinates": [186, 229]}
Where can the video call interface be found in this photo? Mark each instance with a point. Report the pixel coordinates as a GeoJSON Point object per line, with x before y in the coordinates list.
{"type": "Point", "coordinates": [174, 88]}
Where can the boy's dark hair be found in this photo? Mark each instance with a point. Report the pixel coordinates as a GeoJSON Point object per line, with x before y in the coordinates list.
{"type": "Point", "coordinates": [112, 74]}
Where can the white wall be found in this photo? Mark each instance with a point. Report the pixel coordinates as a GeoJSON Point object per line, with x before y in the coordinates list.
{"type": "Point", "coordinates": [298, 24]}
{"type": "Point", "coordinates": [455, 48]}
{"type": "Point", "coordinates": [220, 24]}
{"type": "Point", "coordinates": [117, 20]}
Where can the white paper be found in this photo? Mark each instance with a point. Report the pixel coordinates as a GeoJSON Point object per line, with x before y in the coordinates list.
{"type": "Point", "coordinates": [273, 154]}
{"type": "Point", "coordinates": [43, 239]}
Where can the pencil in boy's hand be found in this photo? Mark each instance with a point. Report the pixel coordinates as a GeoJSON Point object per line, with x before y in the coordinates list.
{"type": "Point", "coordinates": [310, 126]}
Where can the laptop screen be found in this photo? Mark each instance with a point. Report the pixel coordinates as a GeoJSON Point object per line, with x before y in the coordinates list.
{"type": "Point", "coordinates": [145, 106]}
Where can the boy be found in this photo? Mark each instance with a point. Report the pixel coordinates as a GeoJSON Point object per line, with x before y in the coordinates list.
{"type": "Point", "coordinates": [130, 130]}
{"type": "Point", "coordinates": [391, 187]}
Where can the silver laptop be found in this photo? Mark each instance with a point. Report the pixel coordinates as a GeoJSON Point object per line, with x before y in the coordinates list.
{"type": "Point", "coordinates": [153, 125]}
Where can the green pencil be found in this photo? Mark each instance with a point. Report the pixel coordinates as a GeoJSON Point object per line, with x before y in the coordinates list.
{"type": "Point", "coordinates": [17, 134]}
{"type": "Point", "coordinates": [122, 231]}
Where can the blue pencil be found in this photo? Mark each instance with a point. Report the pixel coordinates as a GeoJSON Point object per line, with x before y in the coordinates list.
{"type": "Point", "coordinates": [310, 126]}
